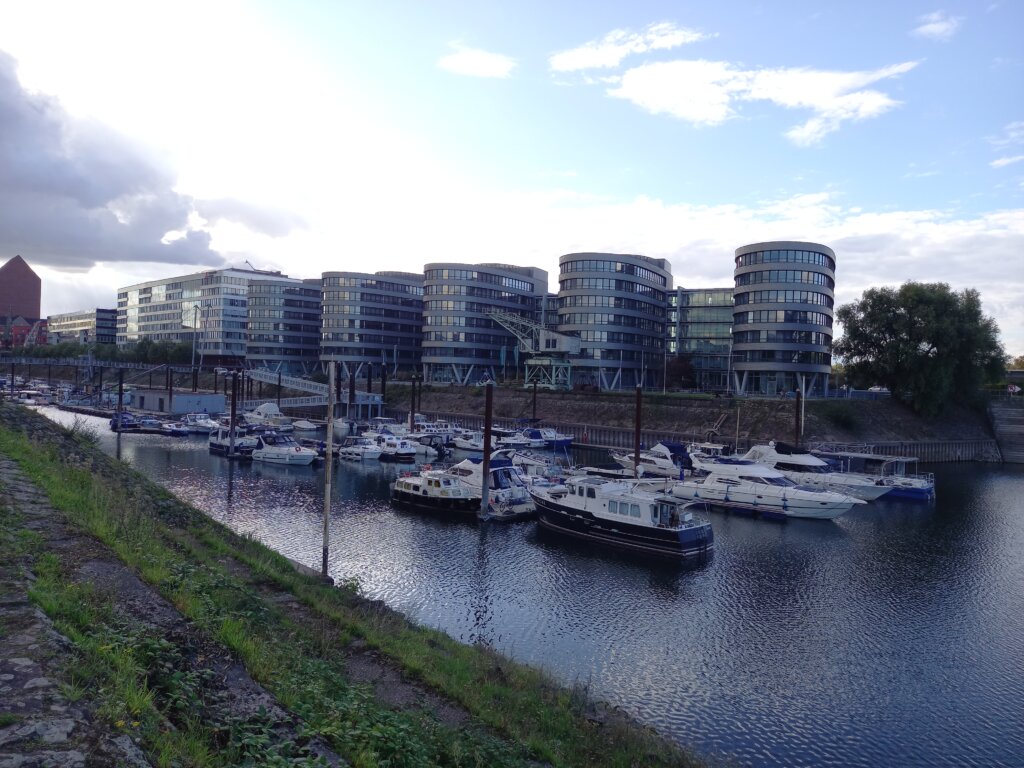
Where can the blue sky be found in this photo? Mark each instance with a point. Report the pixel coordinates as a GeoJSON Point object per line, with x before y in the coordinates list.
{"type": "Point", "coordinates": [308, 136]}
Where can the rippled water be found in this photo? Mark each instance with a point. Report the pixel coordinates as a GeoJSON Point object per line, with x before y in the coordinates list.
{"type": "Point", "coordinates": [893, 636]}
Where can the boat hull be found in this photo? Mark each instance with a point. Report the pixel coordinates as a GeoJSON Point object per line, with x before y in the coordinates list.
{"type": "Point", "coordinates": [696, 542]}
{"type": "Point", "coordinates": [779, 508]}
{"type": "Point", "coordinates": [443, 505]}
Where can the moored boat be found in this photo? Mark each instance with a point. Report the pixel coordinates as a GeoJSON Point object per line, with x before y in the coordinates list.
{"type": "Point", "coordinates": [358, 449]}
{"type": "Point", "coordinates": [624, 514]}
{"type": "Point", "coordinates": [220, 443]}
{"type": "Point", "coordinates": [508, 496]}
{"type": "Point", "coordinates": [803, 468]}
{"type": "Point", "coordinates": [899, 473]}
{"type": "Point", "coordinates": [281, 449]}
{"type": "Point", "coordinates": [433, 490]}
{"type": "Point", "coordinates": [666, 459]}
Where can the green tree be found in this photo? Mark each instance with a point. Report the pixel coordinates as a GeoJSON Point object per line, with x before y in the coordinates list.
{"type": "Point", "coordinates": [1017, 364]}
{"type": "Point", "coordinates": [928, 344]}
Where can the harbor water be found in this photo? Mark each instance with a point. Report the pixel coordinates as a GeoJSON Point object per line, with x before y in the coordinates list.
{"type": "Point", "coordinates": [892, 636]}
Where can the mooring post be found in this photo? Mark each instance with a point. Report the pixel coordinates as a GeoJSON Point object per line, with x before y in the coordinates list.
{"type": "Point", "coordinates": [485, 480]}
{"type": "Point", "coordinates": [234, 410]}
{"type": "Point", "coordinates": [351, 403]}
{"type": "Point", "coordinates": [799, 430]}
{"type": "Point", "coordinates": [383, 387]}
{"type": "Point", "coordinates": [636, 430]}
{"type": "Point", "coordinates": [170, 389]}
{"type": "Point", "coordinates": [328, 467]}
{"type": "Point", "coordinates": [535, 400]}
{"type": "Point", "coordinates": [120, 394]}
{"type": "Point", "coordinates": [100, 386]}
{"type": "Point", "coordinates": [195, 379]}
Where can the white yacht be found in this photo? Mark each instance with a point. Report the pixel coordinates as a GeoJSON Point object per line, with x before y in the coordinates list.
{"type": "Point", "coordinates": [805, 469]}
{"type": "Point", "coordinates": [281, 449]}
{"type": "Point", "coordinates": [665, 459]}
{"type": "Point", "coordinates": [508, 495]}
{"type": "Point", "coordinates": [747, 486]}
{"type": "Point", "coordinates": [358, 449]}
{"type": "Point", "coordinates": [199, 423]}
{"type": "Point", "coordinates": [220, 442]}
{"type": "Point", "coordinates": [394, 448]}
{"type": "Point", "coordinates": [470, 441]}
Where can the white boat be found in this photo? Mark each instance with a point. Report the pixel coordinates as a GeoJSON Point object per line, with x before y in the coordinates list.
{"type": "Point", "coordinates": [805, 469]}
{"type": "Point", "coordinates": [395, 448]}
{"type": "Point", "coordinates": [269, 415]}
{"type": "Point", "coordinates": [666, 459]}
{"type": "Point", "coordinates": [199, 423]}
{"type": "Point", "coordinates": [899, 473]}
{"type": "Point", "coordinates": [517, 440]}
{"type": "Point", "coordinates": [281, 449]}
{"type": "Point", "coordinates": [429, 444]}
{"type": "Point", "coordinates": [470, 441]}
{"type": "Point", "coordinates": [358, 449]}
{"type": "Point", "coordinates": [537, 468]}
{"type": "Point", "coordinates": [433, 490]}
{"type": "Point", "coordinates": [508, 493]}
{"type": "Point", "coordinates": [624, 514]}
{"type": "Point", "coordinates": [387, 425]}
{"type": "Point", "coordinates": [551, 438]}
{"type": "Point", "coordinates": [751, 487]}
{"type": "Point", "coordinates": [304, 425]}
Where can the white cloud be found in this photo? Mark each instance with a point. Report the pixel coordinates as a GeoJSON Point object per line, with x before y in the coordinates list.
{"type": "Point", "coordinates": [707, 93]}
{"type": "Point", "coordinates": [476, 63]}
{"type": "Point", "coordinates": [610, 50]}
{"type": "Point", "coordinates": [938, 25]}
{"type": "Point", "coordinates": [1002, 162]}
{"type": "Point", "coordinates": [1012, 135]}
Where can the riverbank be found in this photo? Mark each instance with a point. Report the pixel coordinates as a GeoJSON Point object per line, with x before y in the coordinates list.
{"type": "Point", "coordinates": [205, 648]}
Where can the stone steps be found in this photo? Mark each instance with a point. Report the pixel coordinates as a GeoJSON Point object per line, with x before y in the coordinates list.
{"type": "Point", "coordinates": [1008, 425]}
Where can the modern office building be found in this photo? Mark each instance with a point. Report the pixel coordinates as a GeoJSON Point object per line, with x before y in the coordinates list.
{"type": "Point", "coordinates": [700, 333]}
{"type": "Point", "coordinates": [372, 319]}
{"type": "Point", "coordinates": [617, 305]}
{"type": "Point", "coordinates": [87, 326]}
{"type": "Point", "coordinates": [283, 333]}
{"type": "Point", "coordinates": [782, 319]}
{"type": "Point", "coordinates": [207, 309]}
{"type": "Point", "coordinates": [462, 343]}
{"type": "Point", "coordinates": [20, 290]}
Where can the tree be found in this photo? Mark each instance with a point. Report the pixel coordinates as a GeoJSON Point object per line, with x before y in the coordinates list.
{"type": "Point", "coordinates": [1017, 364]}
{"type": "Point", "coordinates": [679, 372]}
{"type": "Point", "coordinates": [928, 344]}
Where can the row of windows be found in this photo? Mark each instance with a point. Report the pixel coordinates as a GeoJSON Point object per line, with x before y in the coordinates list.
{"type": "Point", "coordinates": [380, 285]}
{"type": "Point", "coordinates": [786, 276]}
{"type": "Point", "coordinates": [785, 297]}
{"type": "Point", "coordinates": [307, 328]}
{"type": "Point", "coordinates": [793, 256]}
{"type": "Point", "coordinates": [445, 305]}
{"type": "Point", "coordinates": [622, 508]}
{"type": "Point", "coordinates": [311, 353]}
{"type": "Point", "coordinates": [611, 284]}
{"type": "Point", "coordinates": [372, 325]}
{"type": "Point", "coordinates": [617, 302]}
{"type": "Point", "coordinates": [704, 314]}
{"type": "Point", "coordinates": [782, 316]}
{"type": "Point", "coordinates": [471, 322]}
{"type": "Point", "coordinates": [711, 298]}
{"type": "Point", "coordinates": [478, 277]}
{"type": "Point", "coordinates": [367, 298]}
{"type": "Point", "coordinates": [482, 293]}
{"type": "Point", "coordinates": [625, 321]}
{"type": "Point", "coordinates": [270, 338]}
{"type": "Point", "coordinates": [262, 288]}
{"type": "Point", "coordinates": [783, 356]}
{"type": "Point", "coordinates": [284, 314]}
{"type": "Point", "coordinates": [266, 301]}
{"type": "Point", "coordinates": [614, 337]}
{"type": "Point", "coordinates": [603, 265]}
{"type": "Point", "coordinates": [462, 337]}
{"type": "Point", "coordinates": [371, 311]}
{"type": "Point", "coordinates": [782, 337]}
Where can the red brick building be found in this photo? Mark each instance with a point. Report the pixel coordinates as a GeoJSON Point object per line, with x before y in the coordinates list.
{"type": "Point", "coordinates": [20, 290]}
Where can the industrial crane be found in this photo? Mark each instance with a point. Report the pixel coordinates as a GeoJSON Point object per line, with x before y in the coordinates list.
{"type": "Point", "coordinates": [549, 353]}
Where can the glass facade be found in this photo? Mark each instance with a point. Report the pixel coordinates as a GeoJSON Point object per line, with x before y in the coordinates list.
{"type": "Point", "coordinates": [700, 332]}
{"type": "Point", "coordinates": [89, 326]}
{"type": "Point", "coordinates": [283, 333]}
{"type": "Point", "coordinates": [617, 305]}
{"type": "Point", "coordinates": [372, 319]}
{"type": "Point", "coordinates": [782, 333]}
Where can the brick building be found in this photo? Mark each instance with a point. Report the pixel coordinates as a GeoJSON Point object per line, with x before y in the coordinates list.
{"type": "Point", "coordinates": [20, 290]}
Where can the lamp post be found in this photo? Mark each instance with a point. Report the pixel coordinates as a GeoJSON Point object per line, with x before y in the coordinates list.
{"type": "Point", "coordinates": [195, 332]}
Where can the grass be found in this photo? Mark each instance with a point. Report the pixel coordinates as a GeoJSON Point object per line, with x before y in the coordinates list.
{"type": "Point", "coordinates": [180, 552]}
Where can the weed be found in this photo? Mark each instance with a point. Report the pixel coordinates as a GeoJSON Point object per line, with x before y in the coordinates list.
{"type": "Point", "coordinates": [8, 718]}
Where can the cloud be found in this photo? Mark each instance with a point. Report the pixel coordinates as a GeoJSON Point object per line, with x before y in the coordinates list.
{"type": "Point", "coordinates": [938, 25]}
{"type": "Point", "coordinates": [710, 92]}
{"type": "Point", "coordinates": [264, 220]}
{"type": "Point", "coordinates": [1012, 135]}
{"type": "Point", "coordinates": [1002, 162]}
{"type": "Point", "coordinates": [609, 51]}
{"type": "Point", "coordinates": [476, 63]}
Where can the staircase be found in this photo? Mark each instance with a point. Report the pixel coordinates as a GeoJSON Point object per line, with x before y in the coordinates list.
{"type": "Point", "coordinates": [1008, 423]}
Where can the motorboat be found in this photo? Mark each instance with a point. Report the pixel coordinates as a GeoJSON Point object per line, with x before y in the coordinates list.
{"type": "Point", "coordinates": [199, 423]}
{"type": "Point", "coordinates": [394, 448]}
{"type": "Point", "coordinates": [508, 494]}
{"type": "Point", "coordinates": [358, 449]}
{"type": "Point", "coordinates": [220, 442]}
{"type": "Point", "coordinates": [536, 468]}
{"type": "Point", "coordinates": [173, 429]}
{"type": "Point", "coordinates": [269, 415]}
{"type": "Point", "coordinates": [805, 469]}
{"type": "Point", "coordinates": [470, 441]}
{"type": "Point", "coordinates": [517, 440]}
{"type": "Point", "coordinates": [275, 448]}
{"type": "Point", "coordinates": [387, 425]}
{"type": "Point", "coordinates": [666, 459]}
{"type": "Point", "coordinates": [434, 490]}
{"type": "Point", "coordinates": [899, 473]}
{"type": "Point", "coordinates": [624, 514]}
{"type": "Point", "coordinates": [124, 421]}
{"type": "Point", "coordinates": [551, 438]}
{"type": "Point", "coordinates": [430, 444]}
{"type": "Point", "coordinates": [747, 486]}
{"type": "Point", "coordinates": [304, 425]}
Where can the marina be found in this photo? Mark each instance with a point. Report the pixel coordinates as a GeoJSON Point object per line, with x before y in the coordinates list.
{"type": "Point", "coordinates": [872, 632]}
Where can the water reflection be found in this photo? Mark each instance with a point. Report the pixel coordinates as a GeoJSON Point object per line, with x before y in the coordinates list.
{"type": "Point", "coordinates": [892, 636]}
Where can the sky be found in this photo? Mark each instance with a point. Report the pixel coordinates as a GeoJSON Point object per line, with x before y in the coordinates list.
{"type": "Point", "coordinates": [140, 140]}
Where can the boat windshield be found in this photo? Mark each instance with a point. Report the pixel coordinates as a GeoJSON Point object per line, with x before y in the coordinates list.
{"type": "Point", "coordinates": [782, 481]}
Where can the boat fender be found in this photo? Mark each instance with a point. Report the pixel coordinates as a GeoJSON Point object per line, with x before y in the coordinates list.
{"type": "Point", "coordinates": [298, 448]}
{"type": "Point", "coordinates": [428, 467]}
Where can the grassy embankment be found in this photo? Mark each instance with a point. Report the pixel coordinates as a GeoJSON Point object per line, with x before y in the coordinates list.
{"type": "Point", "coordinates": [224, 585]}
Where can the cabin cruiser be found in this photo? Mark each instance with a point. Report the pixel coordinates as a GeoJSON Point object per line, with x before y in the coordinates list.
{"type": "Point", "coordinates": [747, 486]}
{"type": "Point", "coordinates": [433, 490]}
{"type": "Point", "coordinates": [899, 473]}
{"type": "Point", "coordinates": [199, 423]}
{"type": "Point", "coordinates": [516, 440]}
{"type": "Point", "coordinates": [358, 449]}
{"type": "Point", "coordinates": [470, 441]}
{"type": "Point", "coordinates": [394, 448]}
{"type": "Point", "coordinates": [220, 442]}
{"type": "Point", "coordinates": [281, 449]}
{"type": "Point", "coordinates": [269, 415]}
{"type": "Point", "coordinates": [124, 421]}
{"type": "Point", "coordinates": [508, 496]}
{"type": "Point", "coordinates": [625, 514]}
{"type": "Point", "coordinates": [430, 444]}
{"type": "Point", "coordinates": [536, 468]}
{"type": "Point", "coordinates": [385, 425]}
{"type": "Point", "coordinates": [551, 438]}
{"type": "Point", "coordinates": [665, 459]}
{"type": "Point", "coordinates": [304, 425]}
{"type": "Point", "coordinates": [804, 469]}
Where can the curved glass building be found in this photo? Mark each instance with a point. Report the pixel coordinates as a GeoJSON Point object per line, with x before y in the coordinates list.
{"type": "Point", "coordinates": [462, 344]}
{"type": "Point", "coordinates": [784, 297]}
{"type": "Point", "coordinates": [283, 329]}
{"type": "Point", "coordinates": [617, 304]}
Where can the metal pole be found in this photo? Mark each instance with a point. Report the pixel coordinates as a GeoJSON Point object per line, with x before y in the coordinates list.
{"type": "Point", "coordinates": [485, 481]}
{"type": "Point", "coordinates": [328, 467]}
{"type": "Point", "coordinates": [101, 384]}
{"type": "Point", "coordinates": [49, 376]}
{"type": "Point", "coordinates": [278, 390]}
{"type": "Point", "coordinates": [383, 385]}
{"type": "Point", "coordinates": [636, 430]}
{"type": "Point", "coordinates": [120, 394]}
{"type": "Point", "coordinates": [798, 427]}
{"type": "Point", "coordinates": [412, 401]}
{"type": "Point", "coordinates": [195, 379]}
{"type": "Point", "coordinates": [234, 411]}
{"type": "Point", "coordinates": [351, 402]}
{"type": "Point", "coordinates": [170, 389]}
{"type": "Point", "coordinates": [535, 400]}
